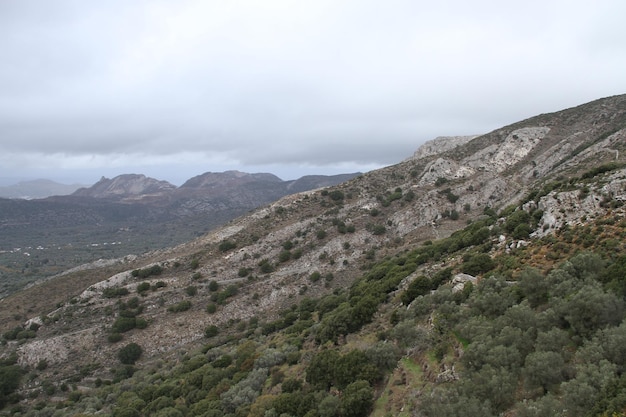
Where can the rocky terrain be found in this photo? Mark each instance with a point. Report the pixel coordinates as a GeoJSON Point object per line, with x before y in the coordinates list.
{"type": "Point", "coordinates": [554, 172]}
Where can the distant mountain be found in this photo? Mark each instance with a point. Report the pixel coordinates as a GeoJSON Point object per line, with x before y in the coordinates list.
{"type": "Point", "coordinates": [37, 189]}
{"type": "Point", "coordinates": [126, 186]}
{"type": "Point", "coordinates": [210, 180]}
{"type": "Point", "coordinates": [130, 213]}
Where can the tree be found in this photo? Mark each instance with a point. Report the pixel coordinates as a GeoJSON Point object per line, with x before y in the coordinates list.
{"type": "Point", "coordinates": [419, 286]}
{"type": "Point", "coordinates": [477, 263]}
{"type": "Point", "coordinates": [10, 376]}
{"type": "Point", "coordinates": [357, 399]}
{"type": "Point", "coordinates": [543, 369]}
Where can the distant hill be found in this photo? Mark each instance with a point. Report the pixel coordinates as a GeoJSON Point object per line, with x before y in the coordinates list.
{"type": "Point", "coordinates": [37, 189]}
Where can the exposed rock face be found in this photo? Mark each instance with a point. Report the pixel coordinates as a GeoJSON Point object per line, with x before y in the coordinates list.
{"type": "Point", "coordinates": [125, 186]}
{"type": "Point", "coordinates": [517, 145]}
{"type": "Point", "coordinates": [440, 145]}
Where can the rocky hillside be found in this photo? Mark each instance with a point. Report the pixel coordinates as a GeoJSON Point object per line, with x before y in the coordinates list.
{"type": "Point", "coordinates": [126, 187]}
{"type": "Point", "coordinates": [127, 214]}
{"type": "Point", "coordinates": [349, 300]}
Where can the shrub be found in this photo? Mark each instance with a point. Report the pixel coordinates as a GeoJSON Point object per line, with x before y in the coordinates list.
{"type": "Point", "coordinates": [336, 195]}
{"type": "Point", "coordinates": [284, 256]}
{"type": "Point", "coordinates": [476, 264]}
{"type": "Point", "coordinates": [211, 331]}
{"type": "Point", "coordinates": [191, 290]}
{"type": "Point", "coordinates": [180, 307]}
{"type": "Point", "coordinates": [213, 286]}
{"type": "Point", "coordinates": [146, 272]}
{"type": "Point", "coordinates": [211, 308]}
{"type": "Point", "coordinates": [114, 337]}
{"type": "Point", "coordinates": [377, 229]}
{"type": "Point", "coordinates": [114, 292]}
{"type": "Point", "coordinates": [266, 266]}
{"type": "Point", "coordinates": [130, 353]}
{"type": "Point", "coordinates": [227, 245]}
{"type": "Point", "coordinates": [123, 324]}
{"type": "Point", "coordinates": [143, 287]}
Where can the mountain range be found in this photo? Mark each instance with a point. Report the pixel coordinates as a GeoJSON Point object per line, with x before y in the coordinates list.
{"type": "Point", "coordinates": [130, 213]}
{"type": "Point", "coordinates": [483, 275]}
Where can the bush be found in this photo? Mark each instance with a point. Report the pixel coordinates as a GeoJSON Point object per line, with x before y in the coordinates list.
{"type": "Point", "coordinates": [180, 307]}
{"type": "Point", "coordinates": [146, 272]}
{"type": "Point", "coordinates": [143, 287]}
{"type": "Point", "coordinates": [227, 245]}
{"type": "Point", "coordinates": [130, 353]}
{"type": "Point", "coordinates": [114, 337]}
{"type": "Point", "coordinates": [211, 308]}
{"type": "Point", "coordinates": [284, 256]}
{"type": "Point", "coordinates": [191, 290]}
{"type": "Point", "coordinates": [336, 195]}
{"type": "Point", "coordinates": [211, 331]}
{"type": "Point", "coordinates": [123, 324]}
{"type": "Point", "coordinates": [476, 264]}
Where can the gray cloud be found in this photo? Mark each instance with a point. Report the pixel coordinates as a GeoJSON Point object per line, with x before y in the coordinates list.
{"type": "Point", "coordinates": [295, 87]}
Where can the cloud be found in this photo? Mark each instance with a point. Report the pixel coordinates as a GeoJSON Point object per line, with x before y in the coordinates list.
{"type": "Point", "coordinates": [309, 85]}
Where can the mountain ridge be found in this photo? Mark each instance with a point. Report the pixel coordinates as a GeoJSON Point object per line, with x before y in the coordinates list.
{"type": "Point", "coordinates": [330, 271]}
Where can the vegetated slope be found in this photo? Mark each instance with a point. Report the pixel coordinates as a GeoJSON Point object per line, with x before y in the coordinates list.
{"type": "Point", "coordinates": [405, 291]}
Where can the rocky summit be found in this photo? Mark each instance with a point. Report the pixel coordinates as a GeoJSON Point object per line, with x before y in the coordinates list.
{"type": "Point", "coordinates": [476, 277]}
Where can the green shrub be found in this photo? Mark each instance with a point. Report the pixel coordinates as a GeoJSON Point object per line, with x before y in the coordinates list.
{"type": "Point", "coordinates": [227, 245]}
{"type": "Point", "coordinates": [114, 337]}
{"type": "Point", "coordinates": [130, 353]}
{"type": "Point", "coordinates": [211, 331]}
{"type": "Point", "coordinates": [284, 256]}
{"type": "Point", "coordinates": [143, 287]}
{"type": "Point", "coordinates": [114, 292]}
{"type": "Point", "coordinates": [180, 307]}
{"type": "Point", "coordinates": [146, 272]}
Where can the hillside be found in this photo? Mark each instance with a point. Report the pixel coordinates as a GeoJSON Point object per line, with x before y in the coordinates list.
{"type": "Point", "coordinates": [486, 279]}
{"type": "Point", "coordinates": [128, 214]}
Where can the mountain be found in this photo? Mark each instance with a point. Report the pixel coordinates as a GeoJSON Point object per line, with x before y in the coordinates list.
{"type": "Point", "coordinates": [130, 213]}
{"type": "Point", "coordinates": [484, 279]}
{"type": "Point", "coordinates": [125, 187]}
{"type": "Point", "coordinates": [37, 189]}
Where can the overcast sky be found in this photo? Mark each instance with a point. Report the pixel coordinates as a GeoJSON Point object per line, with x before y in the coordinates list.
{"type": "Point", "coordinates": [175, 88]}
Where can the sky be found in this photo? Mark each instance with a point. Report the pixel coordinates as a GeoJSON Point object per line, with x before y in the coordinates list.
{"type": "Point", "coordinates": [176, 88]}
